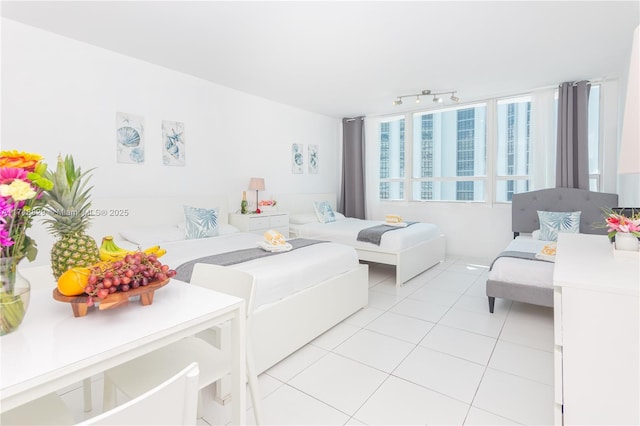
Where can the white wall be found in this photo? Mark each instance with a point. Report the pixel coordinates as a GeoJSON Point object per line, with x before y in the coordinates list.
{"type": "Point", "coordinates": [61, 96]}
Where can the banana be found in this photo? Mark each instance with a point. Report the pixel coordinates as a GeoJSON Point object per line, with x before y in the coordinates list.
{"type": "Point", "coordinates": [109, 250]}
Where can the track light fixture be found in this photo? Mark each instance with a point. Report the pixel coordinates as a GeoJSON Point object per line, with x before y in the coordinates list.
{"type": "Point", "coordinates": [427, 92]}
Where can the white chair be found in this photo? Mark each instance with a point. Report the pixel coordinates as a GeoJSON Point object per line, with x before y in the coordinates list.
{"type": "Point", "coordinates": [133, 378]}
{"type": "Point", "coordinates": [173, 402]}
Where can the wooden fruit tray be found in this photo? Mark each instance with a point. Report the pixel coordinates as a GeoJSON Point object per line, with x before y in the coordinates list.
{"type": "Point", "coordinates": [80, 306]}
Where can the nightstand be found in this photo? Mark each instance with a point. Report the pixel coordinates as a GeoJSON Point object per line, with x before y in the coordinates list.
{"type": "Point", "coordinates": [261, 222]}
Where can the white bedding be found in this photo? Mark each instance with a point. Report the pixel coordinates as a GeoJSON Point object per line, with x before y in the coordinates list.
{"type": "Point", "coordinates": [346, 231]}
{"type": "Point", "coordinates": [523, 271]}
{"type": "Point", "coordinates": [276, 276]}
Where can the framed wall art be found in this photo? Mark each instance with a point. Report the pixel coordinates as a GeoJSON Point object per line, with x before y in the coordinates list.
{"type": "Point", "coordinates": [297, 158]}
{"type": "Point", "coordinates": [173, 143]}
{"type": "Point", "coordinates": [313, 159]}
{"type": "Point", "coordinates": [129, 138]}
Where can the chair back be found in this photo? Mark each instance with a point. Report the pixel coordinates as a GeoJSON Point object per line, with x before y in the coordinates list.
{"type": "Point", "coordinates": [225, 280]}
{"type": "Point", "coordinates": [173, 402]}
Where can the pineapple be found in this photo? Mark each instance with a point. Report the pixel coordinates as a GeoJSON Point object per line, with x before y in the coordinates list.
{"type": "Point", "coordinates": [67, 206]}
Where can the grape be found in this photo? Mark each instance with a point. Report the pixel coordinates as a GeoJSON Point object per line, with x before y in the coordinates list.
{"type": "Point", "coordinates": [102, 293]}
{"type": "Point", "coordinates": [107, 282]}
{"type": "Point", "coordinates": [124, 287]}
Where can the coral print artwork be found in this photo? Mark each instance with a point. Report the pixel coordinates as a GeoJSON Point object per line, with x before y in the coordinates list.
{"type": "Point", "coordinates": [129, 138]}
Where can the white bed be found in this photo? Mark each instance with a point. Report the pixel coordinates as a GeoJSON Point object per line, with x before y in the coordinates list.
{"type": "Point", "coordinates": [282, 323]}
{"type": "Point", "coordinates": [412, 250]}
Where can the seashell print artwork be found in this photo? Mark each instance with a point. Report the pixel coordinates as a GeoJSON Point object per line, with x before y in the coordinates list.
{"type": "Point", "coordinates": [173, 143]}
{"type": "Point", "coordinates": [129, 138]}
{"type": "Point", "coordinates": [297, 158]}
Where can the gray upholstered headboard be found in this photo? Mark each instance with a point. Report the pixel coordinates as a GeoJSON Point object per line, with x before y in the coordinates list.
{"type": "Point", "coordinates": [525, 206]}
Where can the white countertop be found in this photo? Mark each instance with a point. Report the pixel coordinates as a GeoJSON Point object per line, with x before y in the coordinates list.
{"type": "Point", "coordinates": [588, 261]}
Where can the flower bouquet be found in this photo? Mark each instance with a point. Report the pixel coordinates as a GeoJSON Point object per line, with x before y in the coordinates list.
{"type": "Point", "coordinates": [21, 187]}
{"type": "Point", "coordinates": [625, 230]}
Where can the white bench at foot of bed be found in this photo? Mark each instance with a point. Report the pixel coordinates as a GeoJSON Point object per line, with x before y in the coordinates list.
{"type": "Point", "coordinates": [408, 262]}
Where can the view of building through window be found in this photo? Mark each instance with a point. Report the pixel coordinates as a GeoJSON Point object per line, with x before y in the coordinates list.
{"type": "Point", "coordinates": [448, 153]}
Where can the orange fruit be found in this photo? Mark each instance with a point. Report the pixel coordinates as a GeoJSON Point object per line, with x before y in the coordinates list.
{"type": "Point", "coordinates": [73, 282]}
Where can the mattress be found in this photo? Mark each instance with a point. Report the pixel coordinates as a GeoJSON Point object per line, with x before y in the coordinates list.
{"type": "Point", "coordinates": [276, 276]}
{"type": "Point", "coordinates": [521, 271]}
{"type": "Point", "coordinates": [345, 231]}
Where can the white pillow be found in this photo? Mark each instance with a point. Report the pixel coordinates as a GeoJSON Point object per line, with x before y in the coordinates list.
{"type": "Point", "coordinates": [200, 223]}
{"type": "Point", "coordinates": [152, 235]}
{"type": "Point", "coordinates": [303, 218]}
{"type": "Point", "coordinates": [339, 216]}
{"type": "Point", "coordinates": [535, 234]}
{"type": "Point", "coordinates": [324, 211]}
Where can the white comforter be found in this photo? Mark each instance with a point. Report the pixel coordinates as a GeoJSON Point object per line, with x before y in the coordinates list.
{"type": "Point", "coordinates": [523, 271]}
{"type": "Point", "coordinates": [345, 231]}
{"type": "Point", "coordinates": [276, 276]}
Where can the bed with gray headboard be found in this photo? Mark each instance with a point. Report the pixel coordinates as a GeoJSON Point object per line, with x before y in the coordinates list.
{"type": "Point", "coordinates": [524, 218]}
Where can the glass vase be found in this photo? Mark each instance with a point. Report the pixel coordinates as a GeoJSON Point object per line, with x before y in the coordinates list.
{"type": "Point", "coordinates": [14, 295]}
{"type": "Point", "coordinates": [626, 241]}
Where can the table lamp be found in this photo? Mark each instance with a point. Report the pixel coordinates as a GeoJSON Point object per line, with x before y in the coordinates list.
{"type": "Point", "coordinates": [256, 184]}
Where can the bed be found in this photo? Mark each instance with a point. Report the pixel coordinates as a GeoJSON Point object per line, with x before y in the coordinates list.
{"type": "Point", "coordinates": [285, 319]}
{"type": "Point", "coordinates": [412, 250]}
{"type": "Point", "coordinates": [531, 281]}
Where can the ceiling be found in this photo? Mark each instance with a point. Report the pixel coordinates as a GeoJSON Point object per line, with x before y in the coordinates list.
{"type": "Point", "coordinates": [345, 59]}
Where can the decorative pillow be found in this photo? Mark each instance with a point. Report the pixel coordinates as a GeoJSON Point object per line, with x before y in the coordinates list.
{"type": "Point", "coordinates": [303, 219]}
{"type": "Point", "coordinates": [223, 228]}
{"type": "Point", "coordinates": [200, 223]}
{"type": "Point", "coordinates": [551, 223]}
{"type": "Point", "coordinates": [324, 211]}
{"type": "Point", "coordinates": [536, 234]}
{"type": "Point", "coordinates": [152, 235]}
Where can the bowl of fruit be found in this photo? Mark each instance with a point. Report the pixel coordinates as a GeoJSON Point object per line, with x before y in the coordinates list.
{"type": "Point", "coordinates": [112, 282]}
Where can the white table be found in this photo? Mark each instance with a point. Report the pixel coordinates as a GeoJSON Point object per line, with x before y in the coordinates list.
{"type": "Point", "coordinates": [52, 349]}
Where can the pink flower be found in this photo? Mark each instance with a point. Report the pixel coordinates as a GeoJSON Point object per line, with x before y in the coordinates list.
{"type": "Point", "coordinates": [5, 240]}
{"type": "Point", "coordinates": [9, 174]}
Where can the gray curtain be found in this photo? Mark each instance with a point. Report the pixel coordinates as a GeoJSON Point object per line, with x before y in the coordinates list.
{"type": "Point", "coordinates": [351, 202]}
{"type": "Point", "coordinates": [572, 157]}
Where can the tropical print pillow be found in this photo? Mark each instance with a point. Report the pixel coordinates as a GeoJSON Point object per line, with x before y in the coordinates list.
{"type": "Point", "coordinates": [324, 211]}
{"type": "Point", "coordinates": [200, 223]}
{"type": "Point", "coordinates": [551, 223]}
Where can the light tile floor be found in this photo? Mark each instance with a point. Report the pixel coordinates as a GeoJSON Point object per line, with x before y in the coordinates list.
{"type": "Point", "coordinates": [428, 352]}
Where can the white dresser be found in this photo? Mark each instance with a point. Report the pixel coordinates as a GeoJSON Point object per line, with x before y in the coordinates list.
{"type": "Point", "coordinates": [261, 222]}
{"type": "Point", "coordinates": [596, 330]}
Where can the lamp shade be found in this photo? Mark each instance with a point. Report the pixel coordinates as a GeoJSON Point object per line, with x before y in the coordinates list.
{"type": "Point", "coordinates": [256, 184]}
{"type": "Point", "coordinates": [630, 141]}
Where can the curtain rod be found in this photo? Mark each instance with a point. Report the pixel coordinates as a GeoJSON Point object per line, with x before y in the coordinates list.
{"type": "Point", "coordinates": [354, 118]}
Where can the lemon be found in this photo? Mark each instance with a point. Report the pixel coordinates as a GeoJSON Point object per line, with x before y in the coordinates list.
{"type": "Point", "coordinates": [73, 282]}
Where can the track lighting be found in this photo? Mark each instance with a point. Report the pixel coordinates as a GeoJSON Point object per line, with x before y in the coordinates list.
{"type": "Point", "coordinates": [427, 92]}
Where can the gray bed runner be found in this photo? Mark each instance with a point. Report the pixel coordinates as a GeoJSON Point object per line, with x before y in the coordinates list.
{"type": "Point", "coordinates": [185, 270]}
{"type": "Point", "coordinates": [374, 234]}
{"type": "Point", "coordinates": [517, 254]}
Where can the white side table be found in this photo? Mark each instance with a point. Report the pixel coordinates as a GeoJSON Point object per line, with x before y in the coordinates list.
{"type": "Point", "coordinates": [261, 222]}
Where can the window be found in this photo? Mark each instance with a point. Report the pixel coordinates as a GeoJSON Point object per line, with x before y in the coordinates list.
{"type": "Point", "coordinates": [514, 147]}
{"type": "Point", "coordinates": [392, 159]}
{"type": "Point", "coordinates": [449, 154]}
{"type": "Point", "coordinates": [443, 154]}
{"type": "Point", "coordinates": [594, 138]}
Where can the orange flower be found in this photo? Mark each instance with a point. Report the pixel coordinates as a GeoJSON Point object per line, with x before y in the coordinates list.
{"type": "Point", "coordinates": [19, 160]}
